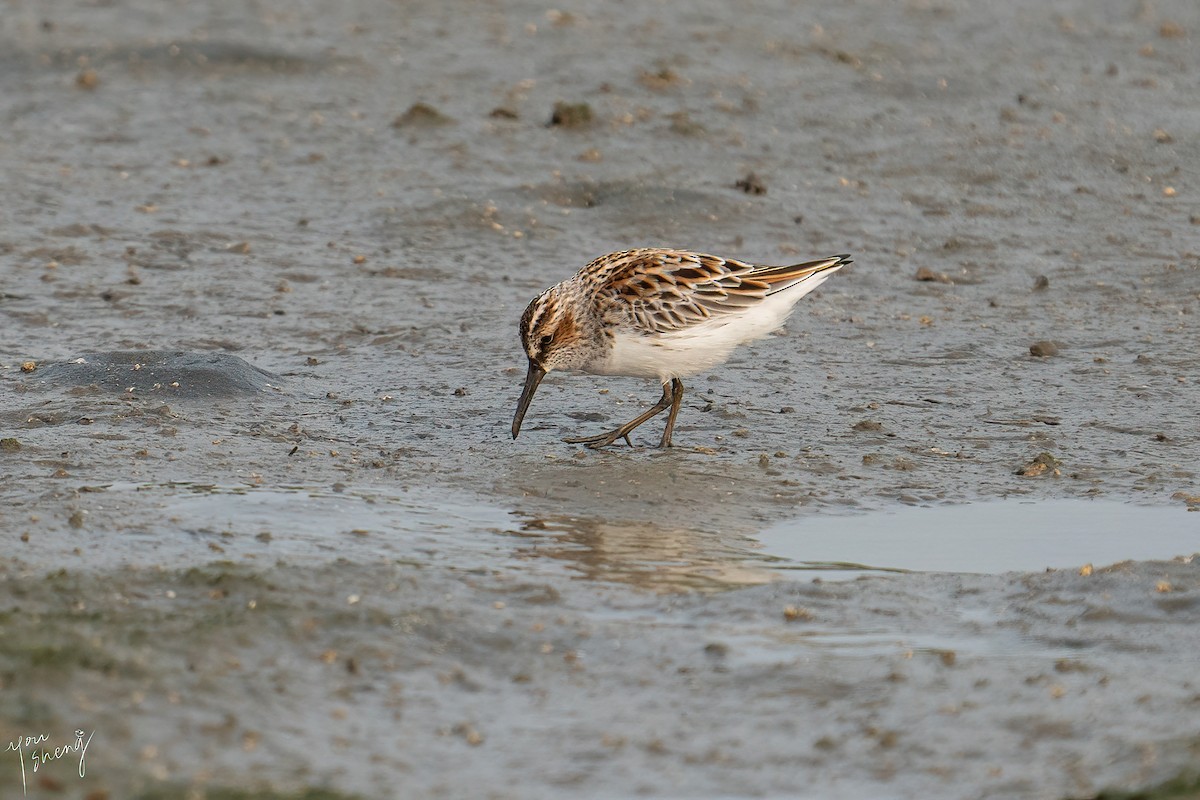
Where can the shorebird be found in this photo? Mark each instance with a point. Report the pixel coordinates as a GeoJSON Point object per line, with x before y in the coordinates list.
{"type": "Point", "coordinates": [657, 313]}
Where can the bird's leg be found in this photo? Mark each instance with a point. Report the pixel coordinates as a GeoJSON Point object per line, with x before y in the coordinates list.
{"type": "Point", "coordinates": [605, 439]}
{"type": "Point", "coordinates": [676, 399]}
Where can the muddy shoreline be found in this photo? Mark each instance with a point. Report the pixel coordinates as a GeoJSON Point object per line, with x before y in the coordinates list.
{"type": "Point", "coordinates": [273, 535]}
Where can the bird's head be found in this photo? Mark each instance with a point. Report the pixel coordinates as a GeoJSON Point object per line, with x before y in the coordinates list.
{"type": "Point", "coordinates": [553, 339]}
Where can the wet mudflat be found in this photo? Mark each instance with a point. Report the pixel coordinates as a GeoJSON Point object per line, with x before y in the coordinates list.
{"type": "Point", "coordinates": [263, 526]}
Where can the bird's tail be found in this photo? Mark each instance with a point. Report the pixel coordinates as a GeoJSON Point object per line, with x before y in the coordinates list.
{"type": "Point", "coordinates": [813, 272]}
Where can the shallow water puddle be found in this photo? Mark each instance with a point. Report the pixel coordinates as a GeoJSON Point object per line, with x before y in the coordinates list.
{"type": "Point", "coordinates": [166, 524]}
{"type": "Point", "coordinates": [990, 537]}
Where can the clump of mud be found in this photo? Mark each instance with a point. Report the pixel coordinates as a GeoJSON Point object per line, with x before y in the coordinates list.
{"type": "Point", "coordinates": [180, 374]}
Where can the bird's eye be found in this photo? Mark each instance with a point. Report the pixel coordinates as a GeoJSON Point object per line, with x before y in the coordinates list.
{"type": "Point", "coordinates": [544, 342]}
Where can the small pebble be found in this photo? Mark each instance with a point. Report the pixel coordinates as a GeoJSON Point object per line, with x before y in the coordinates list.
{"type": "Point", "coordinates": [928, 275]}
{"type": "Point", "coordinates": [87, 79]}
{"type": "Point", "coordinates": [571, 115]}
{"type": "Point", "coordinates": [421, 115]}
{"type": "Point", "coordinates": [1043, 349]}
{"type": "Point", "coordinates": [751, 184]}
{"type": "Point", "coordinates": [795, 614]}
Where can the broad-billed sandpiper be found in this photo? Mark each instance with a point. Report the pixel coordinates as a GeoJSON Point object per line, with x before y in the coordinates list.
{"type": "Point", "coordinates": [657, 313]}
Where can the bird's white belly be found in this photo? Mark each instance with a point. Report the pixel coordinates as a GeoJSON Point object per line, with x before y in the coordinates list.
{"type": "Point", "coordinates": [662, 357]}
{"type": "Point", "coordinates": [678, 354]}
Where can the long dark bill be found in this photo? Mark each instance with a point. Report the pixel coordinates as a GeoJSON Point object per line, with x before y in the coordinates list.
{"type": "Point", "coordinates": [532, 378]}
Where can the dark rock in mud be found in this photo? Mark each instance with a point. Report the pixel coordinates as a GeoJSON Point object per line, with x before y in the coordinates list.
{"type": "Point", "coordinates": [1042, 464]}
{"type": "Point", "coordinates": [1043, 349]}
{"type": "Point", "coordinates": [571, 115]}
{"type": "Point", "coordinates": [751, 184]}
{"type": "Point", "coordinates": [421, 115]}
{"type": "Point", "coordinates": [180, 374]}
{"type": "Point", "coordinates": [927, 275]}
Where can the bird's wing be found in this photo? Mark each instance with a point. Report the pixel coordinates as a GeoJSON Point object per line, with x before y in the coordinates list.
{"type": "Point", "coordinates": [663, 291]}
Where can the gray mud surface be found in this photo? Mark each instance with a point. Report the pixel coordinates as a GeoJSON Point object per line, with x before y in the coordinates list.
{"type": "Point", "coordinates": [263, 526]}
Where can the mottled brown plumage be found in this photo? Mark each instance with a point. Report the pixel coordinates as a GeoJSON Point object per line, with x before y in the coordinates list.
{"type": "Point", "coordinates": [658, 313]}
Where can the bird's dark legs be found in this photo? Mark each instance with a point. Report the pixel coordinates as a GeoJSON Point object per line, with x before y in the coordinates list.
{"type": "Point", "coordinates": [671, 397]}
{"type": "Point", "coordinates": [676, 399]}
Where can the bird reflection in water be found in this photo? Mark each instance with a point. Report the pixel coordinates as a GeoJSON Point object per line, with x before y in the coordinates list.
{"type": "Point", "coordinates": [649, 556]}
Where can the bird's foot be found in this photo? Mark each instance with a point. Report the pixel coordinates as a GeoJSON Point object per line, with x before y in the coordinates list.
{"type": "Point", "coordinates": [600, 440]}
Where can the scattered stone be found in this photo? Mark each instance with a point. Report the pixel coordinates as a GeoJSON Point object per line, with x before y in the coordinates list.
{"type": "Point", "coordinates": [684, 125]}
{"type": "Point", "coordinates": [926, 274]}
{"type": "Point", "coordinates": [502, 112]}
{"type": "Point", "coordinates": [868, 425]}
{"type": "Point", "coordinates": [1171, 30]}
{"type": "Point", "coordinates": [1162, 137]}
{"type": "Point", "coordinates": [794, 614]}
{"type": "Point", "coordinates": [1041, 283]}
{"type": "Point", "coordinates": [9, 445]}
{"type": "Point", "coordinates": [571, 115]}
{"type": "Point", "coordinates": [1040, 465]}
{"type": "Point", "coordinates": [87, 79]}
{"type": "Point", "coordinates": [1192, 500]}
{"type": "Point", "coordinates": [28, 366]}
{"type": "Point", "coordinates": [664, 78]}
{"type": "Point", "coordinates": [1043, 349]}
{"type": "Point", "coordinates": [751, 184]}
{"type": "Point", "coordinates": [421, 115]}
{"type": "Point", "coordinates": [590, 156]}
